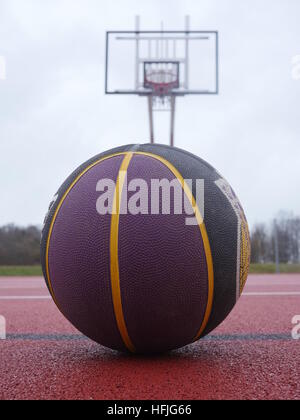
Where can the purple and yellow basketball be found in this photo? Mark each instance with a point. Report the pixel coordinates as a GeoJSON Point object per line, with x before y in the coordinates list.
{"type": "Point", "coordinates": [145, 248]}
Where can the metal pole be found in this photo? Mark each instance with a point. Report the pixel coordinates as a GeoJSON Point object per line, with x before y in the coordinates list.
{"type": "Point", "coordinates": [187, 52]}
{"type": "Point", "coordinates": [276, 248]}
{"type": "Point", "coordinates": [173, 110]}
{"type": "Point", "coordinates": [217, 64]}
{"type": "Point", "coordinates": [150, 105]}
{"type": "Point", "coordinates": [137, 65]}
{"type": "Point", "coordinates": [162, 41]}
{"type": "Point", "coordinates": [106, 65]}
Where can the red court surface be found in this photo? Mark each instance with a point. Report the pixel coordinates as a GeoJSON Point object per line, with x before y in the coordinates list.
{"type": "Point", "coordinates": [252, 355]}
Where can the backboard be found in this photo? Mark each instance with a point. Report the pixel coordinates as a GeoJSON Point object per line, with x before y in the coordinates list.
{"type": "Point", "coordinates": [162, 63]}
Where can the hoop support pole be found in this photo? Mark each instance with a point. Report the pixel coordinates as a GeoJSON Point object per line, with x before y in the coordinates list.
{"type": "Point", "coordinates": [150, 106]}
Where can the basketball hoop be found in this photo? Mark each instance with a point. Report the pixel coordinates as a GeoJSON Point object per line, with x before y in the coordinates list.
{"type": "Point", "coordinates": [161, 77]}
{"type": "Point", "coordinates": [166, 65]}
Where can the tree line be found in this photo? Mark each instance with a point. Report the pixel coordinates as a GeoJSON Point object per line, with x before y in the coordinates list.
{"type": "Point", "coordinates": [276, 241]}
{"type": "Point", "coordinates": [19, 246]}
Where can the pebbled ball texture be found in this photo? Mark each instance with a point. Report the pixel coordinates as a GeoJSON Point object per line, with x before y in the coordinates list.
{"type": "Point", "coordinates": [145, 283]}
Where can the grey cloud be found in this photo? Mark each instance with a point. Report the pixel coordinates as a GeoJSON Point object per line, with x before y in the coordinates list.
{"type": "Point", "coordinates": [54, 114]}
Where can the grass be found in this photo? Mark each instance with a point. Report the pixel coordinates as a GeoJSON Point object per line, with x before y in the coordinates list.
{"type": "Point", "coordinates": [271, 268]}
{"type": "Point", "coordinates": [24, 271]}
{"type": "Point", "coordinates": [32, 271]}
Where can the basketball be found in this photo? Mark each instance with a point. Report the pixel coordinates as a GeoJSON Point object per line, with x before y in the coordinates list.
{"type": "Point", "coordinates": [145, 249]}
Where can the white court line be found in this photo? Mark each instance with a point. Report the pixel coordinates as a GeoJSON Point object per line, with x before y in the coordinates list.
{"type": "Point", "coordinates": [23, 288]}
{"type": "Point", "coordinates": [25, 297]}
{"type": "Point", "coordinates": [273, 284]}
{"type": "Point", "coordinates": [272, 294]}
{"type": "Point", "coordinates": [244, 294]}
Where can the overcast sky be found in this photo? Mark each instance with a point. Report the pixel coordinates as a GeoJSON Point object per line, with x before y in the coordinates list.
{"type": "Point", "coordinates": [54, 114]}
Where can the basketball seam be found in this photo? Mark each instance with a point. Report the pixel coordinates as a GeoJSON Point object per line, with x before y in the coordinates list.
{"type": "Point", "coordinates": [188, 154]}
{"type": "Point", "coordinates": [204, 236]}
{"type": "Point", "coordinates": [114, 256]}
{"type": "Point", "coordinates": [57, 210]}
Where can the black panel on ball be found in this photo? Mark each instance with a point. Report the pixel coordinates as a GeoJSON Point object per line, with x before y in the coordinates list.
{"type": "Point", "coordinates": [221, 224]}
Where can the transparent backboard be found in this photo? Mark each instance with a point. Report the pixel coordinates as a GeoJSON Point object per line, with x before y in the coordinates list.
{"type": "Point", "coordinates": [194, 55]}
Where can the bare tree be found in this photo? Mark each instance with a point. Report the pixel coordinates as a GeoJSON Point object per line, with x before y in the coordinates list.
{"type": "Point", "coordinates": [19, 246]}
{"type": "Point", "coordinates": [260, 243]}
